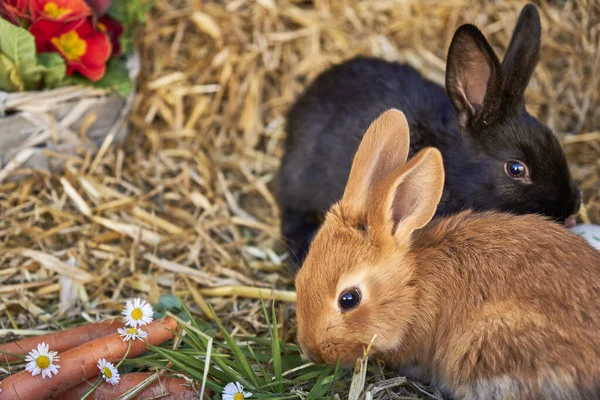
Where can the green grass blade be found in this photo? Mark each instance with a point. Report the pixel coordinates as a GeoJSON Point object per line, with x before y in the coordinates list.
{"type": "Point", "coordinates": [320, 387]}
{"type": "Point", "coordinates": [307, 377]}
{"type": "Point", "coordinates": [237, 353]}
{"type": "Point", "coordinates": [189, 315]}
{"type": "Point", "coordinates": [335, 376]}
{"type": "Point", "coordinates": [266, 375]}
{"type": "Point", "coordinates": [177, 361]}
{"type": "Point", "coordinates": [276, 351]}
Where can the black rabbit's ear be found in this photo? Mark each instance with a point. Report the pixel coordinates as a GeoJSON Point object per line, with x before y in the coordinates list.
{"type": "Point", "coordinates": [473, 76]}
{"type": "Point", "coordinates": [522, 55]}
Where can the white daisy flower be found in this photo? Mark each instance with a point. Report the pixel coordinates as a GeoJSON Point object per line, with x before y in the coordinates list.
{"type": "Point", "coordinates": [108, 371]}
{"type": "Point", "coordinates": [235, 391]}
{"type": "Point", "coordinates": [41, 361]}
{"type": "Point", "coordinates": [138, 313]}
{"type": "Point", "coordinates": [130, 333]}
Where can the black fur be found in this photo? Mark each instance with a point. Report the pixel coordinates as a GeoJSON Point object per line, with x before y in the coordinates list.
{"type": "Point", "coordinates": [478, 127]}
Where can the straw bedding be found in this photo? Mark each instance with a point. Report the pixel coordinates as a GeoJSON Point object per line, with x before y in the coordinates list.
{"type": "Point", "coordinates": [186, 205]}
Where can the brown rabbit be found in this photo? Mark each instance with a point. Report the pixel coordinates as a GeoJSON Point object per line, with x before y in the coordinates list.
{"type": "Point", "coordinates": [483, 305]}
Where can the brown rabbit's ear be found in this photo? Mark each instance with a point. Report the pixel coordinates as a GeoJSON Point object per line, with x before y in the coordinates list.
{"type": "Point", "coordinates": [473, 76]}
{"type": "Point", "coordinates": [382, 149]}
{"type": "Point", "coordinates": [409, 197]}
{"type": "Point", "coordinates": [522, 55]}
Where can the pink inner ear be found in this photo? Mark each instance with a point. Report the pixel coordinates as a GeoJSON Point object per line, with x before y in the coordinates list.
{"type": "Point", "coordinates": [477, 77]}
{"type": "Point", "coordinates": [404, 202]}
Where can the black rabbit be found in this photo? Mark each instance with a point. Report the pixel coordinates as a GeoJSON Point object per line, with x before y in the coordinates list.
{"type": "Point", "coordinates": [496, 155]}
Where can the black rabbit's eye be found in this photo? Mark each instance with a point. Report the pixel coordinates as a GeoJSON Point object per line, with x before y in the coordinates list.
{"type": "Point", "coordinates": [516, 170]}
{"type": "Point", "coordinates": [350, 299]}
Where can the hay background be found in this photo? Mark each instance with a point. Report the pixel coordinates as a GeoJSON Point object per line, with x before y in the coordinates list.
{"type": "Point", "coordinates": [188, 201]}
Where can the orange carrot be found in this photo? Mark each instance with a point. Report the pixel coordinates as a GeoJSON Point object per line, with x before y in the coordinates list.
{"type": "Point", "coordinates": [80, 363]}
{"type": "Point", "coordinates": [163, 388]}
{"type": "Point", "coordinates": [61, 340]}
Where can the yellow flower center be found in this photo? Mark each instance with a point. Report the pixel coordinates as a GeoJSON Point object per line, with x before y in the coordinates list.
{"type": "Point", "coordinates": [101, 26]}
{"type": "Point", "coordinates": [54, 11]}
{"type": "Point", "coordinates": [238, 396]}
{"type": "Point", "coordinates": [107, 372]}
{"type": "Point", "coordinates": [71, 45]}
{"type": "Point", "coordinates": [137, 313]}
{"type": "Point", "coordinates": [132, 331]}
{"type": "Point", "coordinates": [42, 362]}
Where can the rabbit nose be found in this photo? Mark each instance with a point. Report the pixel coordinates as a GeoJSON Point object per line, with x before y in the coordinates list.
{"type": "Point", "coordinates": [309, 355]}
{"type": "Point", "coordinates": [573, 210]}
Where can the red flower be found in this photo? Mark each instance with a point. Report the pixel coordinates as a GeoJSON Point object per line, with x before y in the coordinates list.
{"type": "Point", "coordinates": [14, 10]}
{"type": "Point", "coordinates": [114, 29]}
{"type": "Point", "coordinates": [59, 10]}
{"type": "Point", "coordinates": [84, 49]}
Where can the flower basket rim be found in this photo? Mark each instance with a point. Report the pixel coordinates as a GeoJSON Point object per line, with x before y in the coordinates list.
{"type": "Point", "coordinates": [12, 100]}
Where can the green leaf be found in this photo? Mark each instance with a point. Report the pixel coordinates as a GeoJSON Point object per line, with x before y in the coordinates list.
{"type": "Point", "coordinates": [131, 14]}
{"type": "Point", "coordinates": [19, 46]}
{"type": "Point", "coordinates": [115, 78]}
{"type": "Point", "coordinates": [168, 302]}
{"type": "Point", "coordinates": [10, 79]}
{"type": "Point", "coordinates": [54, 70]}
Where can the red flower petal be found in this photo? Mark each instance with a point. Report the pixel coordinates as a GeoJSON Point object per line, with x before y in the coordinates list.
{"type": "Point", "coordinates": [86, 29]}
{"type": "Point", "coordinates": [20, 5]}
{"type": "Point", "coordinates": [14, 10]}
{"type": "Point", "coordinates": [98, 51]}
{"type": "Point", "coordinates": [70, 69]}
{"type": "Point", "coordinates": [66, 38]}
{"type": "Point", "coordinates": [60, 10]}
{"type": "Point", "coordinates": [43, 30]}
{"type": "Point", "coordinates": [112, 25]}
{"type": "Point", "coordinates": [93, 72]}
{"type": "Point", "coordinates": [114, 29]}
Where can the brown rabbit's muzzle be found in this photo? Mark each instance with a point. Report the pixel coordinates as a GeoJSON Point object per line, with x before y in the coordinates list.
{"type": "Point", "coordinates": [328, 349]}
{"type": "Point", "coordinates": [311, 356]}
{"type": "Point", "coordinates": [331, 352]}
{"type": "Point", "coordinates": [346, 352]}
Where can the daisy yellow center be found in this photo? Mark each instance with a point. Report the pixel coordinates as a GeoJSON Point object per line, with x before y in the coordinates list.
{"type": "Point", "coordinates": [238, 396]}
{"type": "Point", "coordinates": [132, 331]}
{"type": "Point", "coordinates": [54, 11]}
{"type": "Point", "coordinates": [42, 362]}
{"type": "Point", "coordinates": [137, 313]}
{"type": "Point", "coordinates": [107, 372]}
{"type": "Point", "coordinates": [71, 45]}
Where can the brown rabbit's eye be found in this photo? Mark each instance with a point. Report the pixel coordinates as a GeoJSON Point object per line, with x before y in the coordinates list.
{"type": "Point", "coordinates": [516, 170]}
{"type": "Point", "coordinates": [350, 299]}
